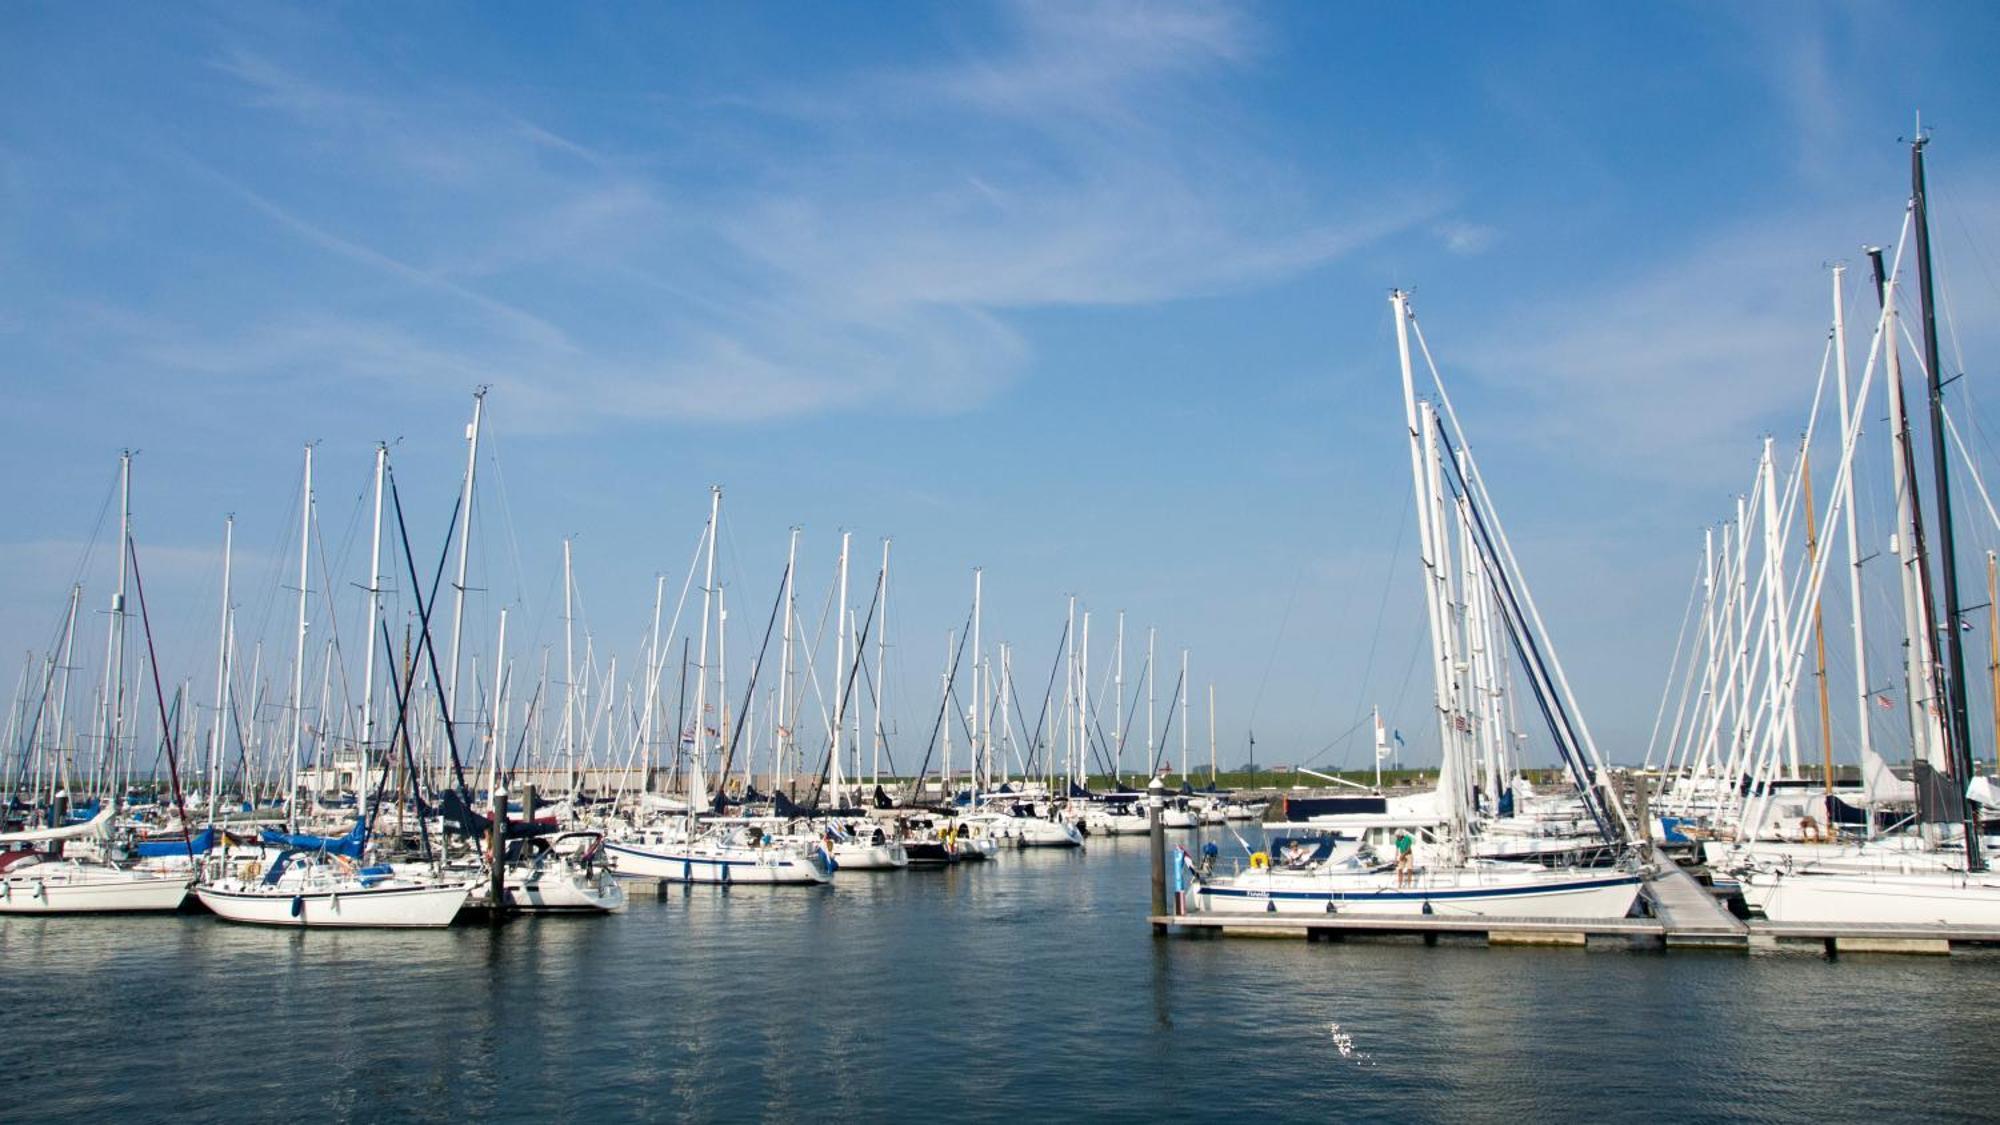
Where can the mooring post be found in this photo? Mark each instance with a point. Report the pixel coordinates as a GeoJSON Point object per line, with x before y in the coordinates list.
{"type": "Point", "coordinates": [1642, 802]}
{"type": "Point", "coordinates": [1156, 800]}
{"type": "Point", "coordinates": [497, 844]}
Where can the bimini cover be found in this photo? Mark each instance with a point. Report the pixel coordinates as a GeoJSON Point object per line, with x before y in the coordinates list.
{"type": "Point", "coordinates": [349, 845]}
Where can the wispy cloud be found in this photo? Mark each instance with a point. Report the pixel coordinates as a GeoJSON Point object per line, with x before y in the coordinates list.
{"type": "Point", "coordinates": [1671, 372]}
{"type": "Point", "coordinates": [1467, 238]}
{"type": "Point", "coordinates": [863, 243]}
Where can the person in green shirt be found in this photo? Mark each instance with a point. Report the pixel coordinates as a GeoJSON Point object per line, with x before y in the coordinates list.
{"type": "Point", "coordinates": [1406, 863]}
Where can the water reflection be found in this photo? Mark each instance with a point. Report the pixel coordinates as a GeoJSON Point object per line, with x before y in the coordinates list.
{"type": "Point", "coordinates": [1025, 986]}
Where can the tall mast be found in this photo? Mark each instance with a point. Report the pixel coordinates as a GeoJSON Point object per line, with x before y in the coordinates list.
{"type": "Point", "coordinates": [1845, 499]}
{"type": "Point", "coordinates": [221, 674]}
{"type": "Point", "coordinates": [499, 736]}
{"type": "Point", "coordinates": [722, 732]}
{"type": "Point", "coordinates": [53, 759]}
{"type": "Point", "coordinates": [1152, 634]}
{"type": "Point", "coordinates": [374, 609]}
{"type": "Point", "coordinates": [1993, 635]}
{"type": "Point", "coordinates": [648, 723]}
{"type": "Point", "coordinates": [1777, 622]}
{"type": "Point", "coordinates": [1819, 629]}
{"type": "Point", "coordinates": [785, 673]}
{"type": "Point", "coordinates": [1959, 741]}
{"type": "Point", "coordinates": [464, 549]}
{"type": "Point", "coordinates": [1381, 745]}
{"type": "Point", "coordinates": [978, 680]}
{"type": "Point", "coordinates": [840, 668]}
{"type": "Point", "coordinates": [113, 722]}
{"type": "Point", "coordinates": [1069, 694]}
{"type": "Point", "coordinates": [1211, 734]}
{"type": "Point", "coordinates": [697, 788]}
{"type": "Point", "coordinates": [1118, 708]}
{"type": "Point", "coordinates": [1184, 715]}
{"type": "Point", "coordinates": [1429, 538]}
{"type": "Point", "coordinates": [1082, 774]}
{"type": "Point", "coordinates": [1929, 740]}
{"type": "Point", "coordinates": [299, 651]}
{"type": "Point", "coordinates": [570, 715]}
{"type": "Point", "coordinates": [881, 673]}
{"type": "Point", "coordinates": [1006, 713]}
{"type": "Point", "coordinates": [944, 684]}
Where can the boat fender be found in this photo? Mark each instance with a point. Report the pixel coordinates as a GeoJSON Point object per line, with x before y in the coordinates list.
{"type": "Point", "coordinates": [1260, 861]}
{"type": "Point", "coordinates": [298, 906]}
{"type": "Point", "coordinates": [41, 890]}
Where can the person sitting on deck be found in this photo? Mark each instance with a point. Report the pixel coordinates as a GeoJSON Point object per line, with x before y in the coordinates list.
{"type": "Point", "coordinates": [1406, 861]}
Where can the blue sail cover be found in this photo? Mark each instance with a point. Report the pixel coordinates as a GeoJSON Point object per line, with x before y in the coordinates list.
{"type": "Point", "coordinates": [203, 841]}
{"type": "Point", "coordinates": [349, 845]}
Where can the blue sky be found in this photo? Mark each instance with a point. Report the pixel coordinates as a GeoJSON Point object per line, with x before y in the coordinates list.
{"type": "Point", "coordinates": [1090, 295]}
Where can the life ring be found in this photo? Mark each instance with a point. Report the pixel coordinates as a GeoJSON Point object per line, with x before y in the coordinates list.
{"type": "Point", "coordinates": [1260, 861]}
{"type": "Point", "coordinates": [345, 864]}
{"type": "Point", "coordinates": [251, 871]}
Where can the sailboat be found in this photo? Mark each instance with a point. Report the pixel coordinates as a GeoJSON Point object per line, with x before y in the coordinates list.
{"type": "Point", "coordinates": [1442, 875]}
{"type": "Point", "coordinates": [1909, 884]}
{"type": "Point", "coordinates": [50, 883]}
{"type": "Point", "coordinates": [320, 889]}
{"type": "Point", "coordinates": [692, 852]}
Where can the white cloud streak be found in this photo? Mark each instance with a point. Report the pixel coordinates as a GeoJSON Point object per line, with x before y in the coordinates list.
{"type": "Point", "coordinates": [1088, 159]}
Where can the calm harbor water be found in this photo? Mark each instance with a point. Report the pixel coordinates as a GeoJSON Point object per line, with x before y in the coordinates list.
{"type": "Point", "coordinates": [1026, 986]}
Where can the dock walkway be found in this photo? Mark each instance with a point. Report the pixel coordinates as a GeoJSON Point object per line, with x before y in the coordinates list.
{"type": "Point", "coordinates": [1685, 916]}
{"type": "Point", "coordinates": [1688, 913]}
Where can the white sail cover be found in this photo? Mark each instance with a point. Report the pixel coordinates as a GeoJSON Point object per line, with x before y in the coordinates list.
{"type": "Point", "coordinates": [1880, 784]}
{"type": "Point", "coordinates": [1982, 791]}
{"type": "Point", "coordinates": [99, 826]}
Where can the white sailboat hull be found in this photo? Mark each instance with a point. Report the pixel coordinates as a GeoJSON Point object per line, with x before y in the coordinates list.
{"type": "Point", "coordinates": [1123, 826]}
{"type": "Point", "coordinates": [1038, 833]}
{"type": "Point", "coordinates": [725, 866]}
{"type": "Point", "coordinates": [73, 888]}
{"type": "Point", "coordinates": [855, 855]}
{"type": "Point", "coordinates": [562, 892]}
{"type": "Point", "coordinates": [1519, 893]}
{"type": "Point", "coordinates": [1940, 898]}
{"type": "Point", "coordinates": [394, 906]}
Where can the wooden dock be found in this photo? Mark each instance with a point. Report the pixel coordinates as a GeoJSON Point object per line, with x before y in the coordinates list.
{"type": "Point", "coordinates": [1685, 916]}
{"type": "Point", "coordinates": [1635, 933]}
